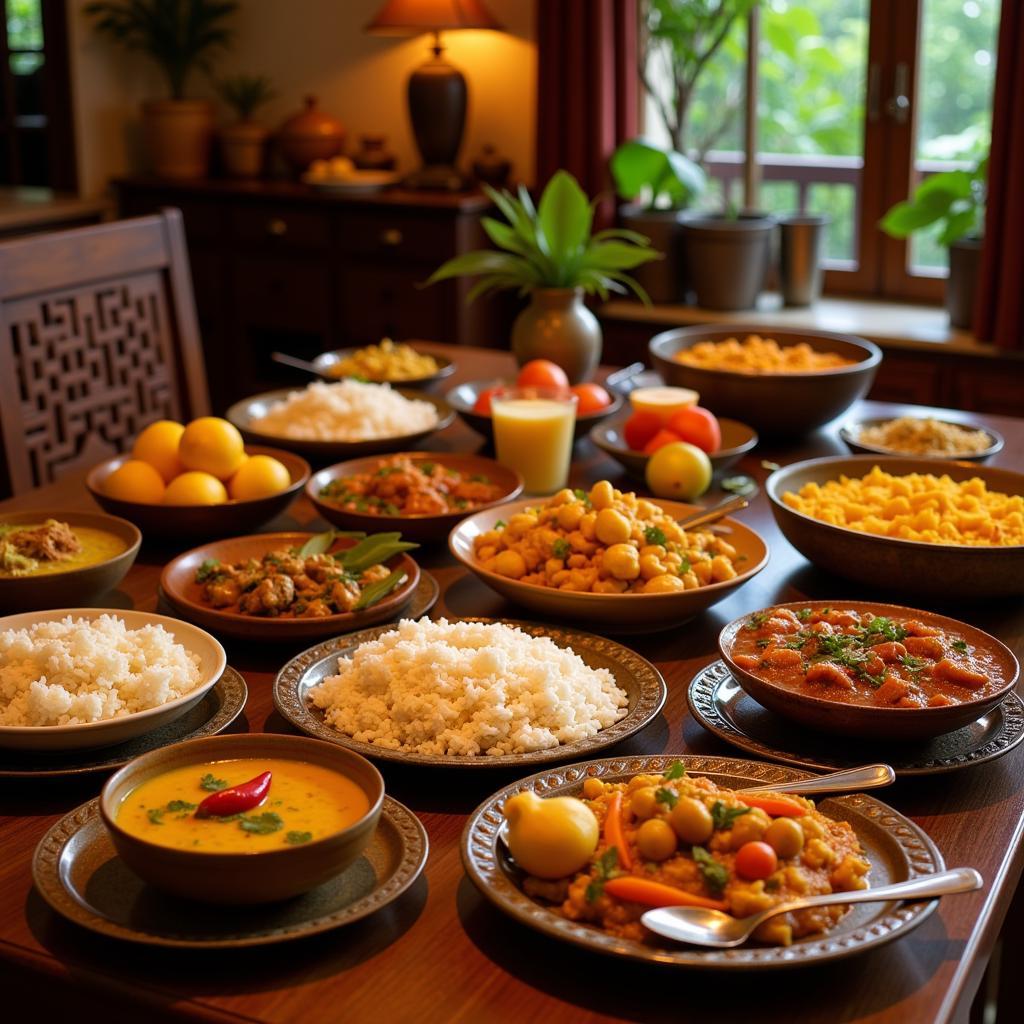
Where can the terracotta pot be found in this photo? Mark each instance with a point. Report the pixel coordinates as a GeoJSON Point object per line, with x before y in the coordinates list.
{"type": "Point", "coordinates": [242, 147]}
{"type": "Point", "coordinates": [664, 280]}
{"type": "Point", "coordinates": [178, 134]}
{"type": "Point", "coordinates": [964, 260]}
{"type": "Point", "coordinates": [557, 326]}
{"type": "Point", "coordinates": [310, 135]}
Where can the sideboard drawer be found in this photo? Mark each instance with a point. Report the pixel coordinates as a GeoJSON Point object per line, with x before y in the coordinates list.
{"type": "Point", "coordinates": [282, 293]}
{"type": "Point", "coordinates": [281, 226]}
{"type": "Point", "coordinates": [430, 240]}
{"type": "Point", "coordinates": [379, 302]}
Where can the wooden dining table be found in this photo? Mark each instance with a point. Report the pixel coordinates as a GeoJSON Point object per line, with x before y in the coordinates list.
{"type": "Point", "coordinates": [442, 952]}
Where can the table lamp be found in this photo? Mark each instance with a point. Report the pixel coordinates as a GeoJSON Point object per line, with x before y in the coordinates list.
{"type": "Point", "coordinates": [437, 90]}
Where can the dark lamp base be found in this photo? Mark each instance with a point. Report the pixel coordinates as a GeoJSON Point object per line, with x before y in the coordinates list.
{"type": "Point", "coordinates": [437, 178]}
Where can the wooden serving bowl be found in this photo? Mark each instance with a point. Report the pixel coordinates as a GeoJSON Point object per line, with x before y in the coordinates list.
{"type": "Point", "coordinates": [77, 586]}
{"type": "Point", "coordinates": [178, 585]}
{"type": "Point", "coordinates": [772, 403]}
{"type": "Point", "coordinates": [463, 397]}
{"type": "Point", "coordinates": [892, 563]}
{"type": "Point", "coordinates": [243, 878]}
{"type": "Point", "coordinates": [445, 367]}
{"type": "Point", "coordinates": [201, 521]}
{"type": "Point", "coordinates": [862, 721]}
{"type": "Point", "coordinates": [423, 528]}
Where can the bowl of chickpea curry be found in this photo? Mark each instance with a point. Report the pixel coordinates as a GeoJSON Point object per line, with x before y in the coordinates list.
{"type": "Point", "coordinates": [868, 670]}
{"type": "Point", "coordinates": [420, 494]}
{"type": "Point", "coordinates": [607, 557]}
{"type": "Point", "coordinates": [292, 586]}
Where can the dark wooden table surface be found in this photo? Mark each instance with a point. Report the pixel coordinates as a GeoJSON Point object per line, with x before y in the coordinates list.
{"type": "Point", "coordinates": [441, 953]}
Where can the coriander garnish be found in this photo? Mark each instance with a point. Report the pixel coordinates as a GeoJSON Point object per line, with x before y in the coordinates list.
{"type": "Point", "coordinates": [297, 838]}
{"type": "Point", "coordinates": [208, 782]}
{"type": "Point", "coordinates": [666, 796]}
{"type": "Point", "coordinates": [674, 771]}
{"type": "Point", "coordinates": [606, 867]}
{"type": "Point", "coordinates": [723, 816]}
{"type": "Point", "coordinates": [716, 875]}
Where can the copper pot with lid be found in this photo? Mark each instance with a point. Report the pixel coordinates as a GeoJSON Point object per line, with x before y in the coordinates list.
{"type": "Point", "coordinates": [310, 135]}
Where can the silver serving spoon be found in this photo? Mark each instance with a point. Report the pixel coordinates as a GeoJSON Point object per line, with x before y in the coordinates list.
{"type": "Point", "coordinates": [699, 926]}
{"type": "Point", "coordinates": [295, 362]}
{"type": "Point", "coordinates": [850, 780]}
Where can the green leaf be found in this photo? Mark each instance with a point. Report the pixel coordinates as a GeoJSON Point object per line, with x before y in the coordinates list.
{"type": "Point", "coordinates": [674, 771]}
{"type": "Point", "coordinates": [318, 544]}
{"type": "Point", "coordinates": [617, 256]}
{"type": "Point", "coordinates": [211, 784]}
{"type": "Point", "coordinates": [380, 589]}
{"type": "Point", "coordinates": [666, 796]}
{"type": "Point", "coordinates": [716, 876]}
{"type": "Point", "coordinates": [640, 166]}
{"type": "Point", "coordinates": [564, 217]}
{"type": "Point", "coordinates": [723, 816]}
{"type": "Point", "coordinates": [959, 225]}
{"type": "Point", "coordinates": [261, 824]}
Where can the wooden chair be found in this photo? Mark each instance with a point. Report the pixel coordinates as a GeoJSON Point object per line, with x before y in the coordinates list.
{"type": "Point", "coordinates": [98, 337]}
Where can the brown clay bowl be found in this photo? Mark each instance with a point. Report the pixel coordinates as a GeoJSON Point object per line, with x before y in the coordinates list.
{"type": "Point", "coordinates": [463, 397]}
{"type": "Point", "coordinates": [772, 403]}
{"type": "Point", "coordinates": [243, 878]}
{"type": "Point", "coordinates": [243, 413]}
{"type": "Point", "coordinates": [850, 433]}
{"type": "Point", "coordinates": [615, 613]}
{"type": "Point", "coordinates": [737, 440]}
{"type": "Point", "coordinates": [77, 586]}
{"type": "Point", "coordinates": [324, 362]}
{"type": "Point", "coordinates": [423, 528]}
{"type": "Point", "coordinates": [179, 587]}
{"type": "Point", "coordinates": [201, 521]}
{"type": "Point", "coordinates": [890, 562]}
{"type": "Point", "coordinates": [862, 721]}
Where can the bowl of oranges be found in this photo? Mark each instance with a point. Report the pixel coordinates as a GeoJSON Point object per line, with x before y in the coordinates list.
{"type": "Point", "coordinates": [197, 480]}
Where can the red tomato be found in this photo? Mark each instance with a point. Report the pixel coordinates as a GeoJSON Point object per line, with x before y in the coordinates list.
{"type": "Point", "coordinates": [482, 405]}
{"type": "Point", "coordinates": [698, 426]}
{"type": "Point", "coordinates": [660, 439]}
{"type": "Point", "coordinates": [640, 428]}
{"type": "Point", "coordinates": [590, 398]}
{"type": "Point", "coordinates": [542, 373]}
{"type": "Point", "coordinates": [755, 861]}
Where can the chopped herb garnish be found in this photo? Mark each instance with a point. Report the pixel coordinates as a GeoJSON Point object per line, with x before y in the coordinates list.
{"type": "Point", "coordinates": [908, 661]}
{"type": "Point", "coordinates": [208, 568]}
{"type": "Point", "coordinates": [771, 884]}
{"type": "Point", "coordinates": [757, 620]}
{"type": "Point", "coordinates": [723, 816]}
{"type": "Point", "coordinates": [500, 524]}
{"type": "Point", "coordinates": [582, 495]}
{"type": "Point", "coordinates": [212, 785]}
{"type": "Point", "coordinates": [261, 824]}
{"type": "Point", "coordinates": [428, 467]}
{"type": "Point", "coordinates": [674, 771]}
{"type": "Point", "coordinates": [684, 567]}
{"type": "Point", "coordinates": [716, 875]}
{"type": "Point", "coordinates": [666, 796]}
{"type": "Point", "coordinates": [764, 642]}
{"type": "Point", "coordinates": [561, 548]}
{"type": "Point", "coordinates": [960, 645]}
{"type": "Point", "coordinates": [297, 838]}
{"type": "Point", "coordinates": [606, 867]}
{"type": "Point", "coordinates": [177, 806]}
{"type": "Point", "coordinates": [155, 815]}
{"type": "Point", "coordinates": [804, 614]}
{"type": "Point", "coordinates": [654, 535]}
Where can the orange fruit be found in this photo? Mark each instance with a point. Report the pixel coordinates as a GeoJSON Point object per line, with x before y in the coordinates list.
{"type": "Point", "coordinates": [195, 488]}
{"type": "Point", "coordinates": [158, 445]}
{"type": "Point", "coordinates": [135, 481]}
{"type": "Point", "coordinates": [211, 445]}
{"type": "Point", "coordinates": [258, 477]}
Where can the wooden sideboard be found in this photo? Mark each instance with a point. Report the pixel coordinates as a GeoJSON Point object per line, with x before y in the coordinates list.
{"type": "Point", "coordinates": [279, 266]}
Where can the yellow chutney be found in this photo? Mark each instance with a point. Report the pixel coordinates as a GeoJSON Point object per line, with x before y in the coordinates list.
{"type": "Point", "coordinates": [305, 802]}
{"type": "Point", "coordinates": [95, 546]}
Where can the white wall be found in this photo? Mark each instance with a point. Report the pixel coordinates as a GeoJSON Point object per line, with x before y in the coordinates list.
{"type": "Point", "coordinates": [319, 47]}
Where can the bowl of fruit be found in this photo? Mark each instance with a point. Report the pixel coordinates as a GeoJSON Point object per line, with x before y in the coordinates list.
{"type": "Point", "coordinates": [662, 416]}
{"type": "Point", "coordinates": [197, 480]}
{"type": "Point", "coordinates": [594, 403]}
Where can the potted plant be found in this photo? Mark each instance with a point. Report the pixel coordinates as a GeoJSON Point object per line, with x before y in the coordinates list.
{"type": "Point", "coordinates": [548, 252]}
{"type": "Point", "coordinates": [727, 254]}
{"type": "Point", "coordinates": [242, 143]}
{"type": "Point", "coordinates": [957, 199]}
{"type": "Point", "coordinates": [180, 36]}
{"type": "Point", "coordinates": [661, 183]}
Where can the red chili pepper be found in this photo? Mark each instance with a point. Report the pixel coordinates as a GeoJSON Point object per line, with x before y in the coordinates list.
{"type": "Point", "coordinates": [236, 799]}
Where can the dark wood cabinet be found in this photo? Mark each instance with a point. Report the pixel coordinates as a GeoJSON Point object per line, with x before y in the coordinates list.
{"type": "Point", "coordinates": [278, 266]}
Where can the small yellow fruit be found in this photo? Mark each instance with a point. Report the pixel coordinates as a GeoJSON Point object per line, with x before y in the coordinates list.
{"type": "Point", "coordinates": [158, 445]}
{"type": "Point", "coordinates": [550, 838]}
{"type": "Point", "coordinates": [211, 445]}
{"type": "Point", "coordinates": [259, 476]}
{"type": "Point", "coordinates": [195, 488]}
{"type": "Point", "coordinates": [135, 481]}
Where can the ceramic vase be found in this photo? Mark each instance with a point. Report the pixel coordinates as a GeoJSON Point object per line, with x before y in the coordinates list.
{"type": "Point", "coordinates": [556, 325]}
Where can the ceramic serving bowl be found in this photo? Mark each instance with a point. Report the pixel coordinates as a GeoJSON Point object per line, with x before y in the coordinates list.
{"type": "Point", "coordinates": [59, 738]}
{"type": "Point", "coordinates": [194, 521]}
{"type": "Point", "coordinates": [850, 433]}
{"type": "Point", "coordinates": [737, 440]}
{"type": "Point", "coordinates": [76, 586]}
{"type": "Point", "coordinates": [324, 362]}
{"type": "Point", "coordinates": [178, 585]}
{"type": "Point", "coordinates": [623, 613]}
{"type": "Point", "coordinates": [463, 397]}
{"type": "Point", "coordinates": [243, 878]}
{"type": "Point", "coordinates": [423, 528]}
{"type": "Point", "coordinates": [862, 721]}
{"type": "Point", "coordinates": [772, 403]}
{"type": "Point", "coordinates": [243, 413]}
{"type": "Point", "coordinates": [892, 563]}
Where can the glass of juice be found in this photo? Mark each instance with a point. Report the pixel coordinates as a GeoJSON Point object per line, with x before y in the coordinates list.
{"type": "Point", "coordinates": [533, 430]}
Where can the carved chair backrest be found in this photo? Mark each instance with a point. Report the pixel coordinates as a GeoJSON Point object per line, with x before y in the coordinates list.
{"type": "Point", "coordinates": [98, 337]}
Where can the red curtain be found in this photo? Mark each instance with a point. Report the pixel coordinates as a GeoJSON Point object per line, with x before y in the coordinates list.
{"type": "Point", "coordinates": [587, 89]}
{"type": "Point", "coordinates": [999, 310]}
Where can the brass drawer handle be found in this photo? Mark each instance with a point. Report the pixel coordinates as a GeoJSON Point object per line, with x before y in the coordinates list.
{"type": "Point", "coordinates": [277, 227]}
{"type": "Point", "coordinates": [391, 236]}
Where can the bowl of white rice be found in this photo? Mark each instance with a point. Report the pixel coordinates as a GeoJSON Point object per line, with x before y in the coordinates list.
{"type": "Point", "coordinates": [78, 678]}
{"type": "Point", "coordinates": [343, 420]}
{"type": "Point", "coordinates": [472, 693]}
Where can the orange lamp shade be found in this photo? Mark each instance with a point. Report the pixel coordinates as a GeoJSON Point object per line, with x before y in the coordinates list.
{"type": "Point", "coordinates": [409, 17]}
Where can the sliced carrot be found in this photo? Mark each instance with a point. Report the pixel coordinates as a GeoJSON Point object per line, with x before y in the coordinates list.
{"type": "Point", "coordinates": [774, 805]}
{"type": "Point", "coordinates": [655, 894]}
{"type": "Point", "coordinates": [613, 831]}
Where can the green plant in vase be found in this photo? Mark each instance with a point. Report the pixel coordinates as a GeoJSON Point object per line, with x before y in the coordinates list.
{"type": "Point", "coordinates": [550, 252]}
{"type": "Point", "coordinates": [242, 143]}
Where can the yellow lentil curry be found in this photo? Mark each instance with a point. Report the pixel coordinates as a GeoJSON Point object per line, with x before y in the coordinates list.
{"type": "Point", "coordinates": [43, 549]}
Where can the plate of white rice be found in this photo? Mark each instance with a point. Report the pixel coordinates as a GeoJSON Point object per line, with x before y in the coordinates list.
{"type": "Point", "coordinates": [470, 692]}
{"type": "Point", "coordinates": [77, 678]}
{"type": "Point", "coordinates": [344, 420]}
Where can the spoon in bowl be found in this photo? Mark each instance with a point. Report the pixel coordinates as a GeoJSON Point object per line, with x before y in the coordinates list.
{"type": "Point", "coordinates": [699, 926]}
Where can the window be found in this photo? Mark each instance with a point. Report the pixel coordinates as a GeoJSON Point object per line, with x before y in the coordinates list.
{"type": "Point", "coordinates": [36, 142]}
{"type": "Point", "coordinates": [858, 101]}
